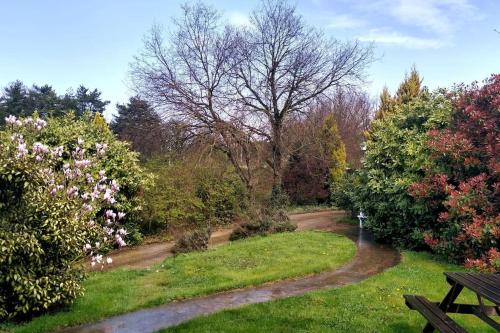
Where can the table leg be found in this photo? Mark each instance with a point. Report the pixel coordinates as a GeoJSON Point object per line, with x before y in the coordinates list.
{"type": "Point", "coordinates": [450, 297]}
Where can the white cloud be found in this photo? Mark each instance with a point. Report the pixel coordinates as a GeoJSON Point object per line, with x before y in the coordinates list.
{"type": "Point", "coordinates": [436, 16]}
{"type": "Point", "coordinates": [382, 36]}
{"type": "Point", "coordinates": [238, 19]}
{"type": "Point", "coordinates": [345, 22]}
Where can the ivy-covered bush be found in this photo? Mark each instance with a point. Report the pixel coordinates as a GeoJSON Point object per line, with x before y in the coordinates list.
{"type": "Point", "coordinates": [120, 163]}
{"type": "Point", "coordinates": [462, 185]}
{"type": "Point", "coordinates": [396, 157]}
{"type": "Point", "coordinates": [50, 203]}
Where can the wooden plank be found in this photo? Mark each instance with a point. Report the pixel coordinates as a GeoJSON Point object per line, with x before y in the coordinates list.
{"type": "Point", "coordinates": [484, 281]}
{"type": "Point", "coordinates": [436, 317]}
{"type": "Point", "coordinates": [481, 315]}
{"type": "Point", "coordinates": [477, 285]}
{"type": "Point", "coordinates": [489, 310]}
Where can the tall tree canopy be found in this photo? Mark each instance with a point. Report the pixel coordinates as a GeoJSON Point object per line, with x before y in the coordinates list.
{"type": "Point", "coordinates": [19, 100]}
{"type": "Point", "coordinates": [138, 123]}
{"type": "Point", "coordinates": [244, 85]}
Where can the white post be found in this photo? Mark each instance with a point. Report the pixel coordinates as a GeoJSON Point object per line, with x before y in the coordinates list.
{"type": "Point", "coordinates": [361, 217]}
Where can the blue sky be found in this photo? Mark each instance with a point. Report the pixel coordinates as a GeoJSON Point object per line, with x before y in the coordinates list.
{"type": "Point", "coordinates": [67, 43]}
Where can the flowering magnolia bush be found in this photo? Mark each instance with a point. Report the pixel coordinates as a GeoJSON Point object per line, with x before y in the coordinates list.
{"type": "Point", "coordinates": [54, 210]}
{"type": "Point", "coordinates": [462, 185]}
{"type": "Point", "coordinates": [119, 163]}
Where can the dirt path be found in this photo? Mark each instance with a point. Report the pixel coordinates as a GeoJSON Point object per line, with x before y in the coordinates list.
{"type": "Point", "coordinates": [371, 258]}
{"type": "Point", "coordinates": [144, 256]}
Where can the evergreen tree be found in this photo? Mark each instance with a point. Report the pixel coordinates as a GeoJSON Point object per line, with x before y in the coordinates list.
{"type": "Point", "coordinates": [334, 148]}
{"type": "Point", "coordinates": [14, 101]}
{"type": "Point", "coordinates": [44, 99]}
{"type": "Point", "coordinates": [410, 88]}
{"type": "Point", "coordinates": [20, 101]}
{"type": "Point", "coordinates": [386, 104]}
{"type": "Point", "coordinates": [138, 123]}
{"type": "Point", "coordinates": [88, 100]}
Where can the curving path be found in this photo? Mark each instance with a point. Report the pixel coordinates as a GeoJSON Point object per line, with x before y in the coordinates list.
{"type": "Point", "coordinates": [371, 258]}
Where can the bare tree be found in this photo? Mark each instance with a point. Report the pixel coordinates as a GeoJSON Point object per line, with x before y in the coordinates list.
{"type": "Point", "coordinates": [353, 111]}
{"type": "Point", "coordinates": [242, 88]}
{"type": "Point", "coordinates": [282, 66]}
{"type": "Point", "coordinates": [187, 77]}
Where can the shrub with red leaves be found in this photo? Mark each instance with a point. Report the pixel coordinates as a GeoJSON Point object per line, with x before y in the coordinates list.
{"type": "Point", "coordinates": [462, 187]}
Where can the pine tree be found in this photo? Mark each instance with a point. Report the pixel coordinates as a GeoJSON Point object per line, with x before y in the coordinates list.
{"type": "Point", "coordinates": [14, 101]}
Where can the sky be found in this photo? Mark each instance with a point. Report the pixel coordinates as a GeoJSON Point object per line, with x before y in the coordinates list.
{"type": "Point", "coordinates": [92, 42]}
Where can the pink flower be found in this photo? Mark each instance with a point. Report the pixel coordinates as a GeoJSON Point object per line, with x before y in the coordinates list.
{"type": "Point", "coordinates": [10, 120]}
{"type": "Point", "coordinates": [40, 123]}
{"type": "Point", "coordinates": [72, 192]}
{"type": "Point", "coordinates": [114, 186]}
{"type": "Point", "coordinates": [82, 164]}
{"type": "Point", "coordinates": [119, 240]}
{"type": "Point", "coordinates": [22, 151]}
{"type": "Point", "coordinates": [121, 215]}
{"type": "Point", "coordinates": [40, 148]}
{"type": "Point", "coordinates": [58, 151]}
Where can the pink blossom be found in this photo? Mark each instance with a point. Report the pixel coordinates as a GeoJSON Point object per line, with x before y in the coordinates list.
{"type": "Point", "coordinates": [40, 123]}
{"type": "Point", "coordinates": [58, 151]}
{"type": "Point", "coordinates": [89, 177]}
{"type": "Point", "coordinates": [114, 186]}
{"type": "Point", "coordinates": [119, 240]}
{"type": "Point", "coordinates": [10, 120]}
{"type": "Point", "coordinates": [101, 148]}
{"type": "Point", "coordinates": [82, 164]}
{"type": "Point", "coordinates": [86, 207]}
{"type": "Point", "coordinates": [40, 148]}
{"type": "Point", "coordinates": [108, 196]}
{"type": "Point", "coordinates": [110, 214]}
{"type": "Point", "coordinates": [121, 215]}
{"type": "Point", "coordinates": [22, 151]}
{"type": "Point", "coordinates": [72, 192]}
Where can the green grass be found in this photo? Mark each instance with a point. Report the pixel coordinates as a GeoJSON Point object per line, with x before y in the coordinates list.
{"type": "Point", "coordinates": [238, 264]}
{"type": "Point", "coordinates": [374, 305]}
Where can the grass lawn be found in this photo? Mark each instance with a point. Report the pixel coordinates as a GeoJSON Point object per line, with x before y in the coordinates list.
{"type": "Point", "coordinates": [237, 264]}
{"type": "Point", "coordinates": [374, 305]}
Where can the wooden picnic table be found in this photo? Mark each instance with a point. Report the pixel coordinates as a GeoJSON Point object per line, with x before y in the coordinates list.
{"type": "Point", "coordinates": [485, 286]}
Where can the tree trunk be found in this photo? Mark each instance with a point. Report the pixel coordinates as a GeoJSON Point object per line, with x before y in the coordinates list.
{"type": "Point", "coordinates": [277, 157]}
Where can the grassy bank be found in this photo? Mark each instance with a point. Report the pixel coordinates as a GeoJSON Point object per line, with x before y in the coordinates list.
{"type": "Point", "coordinates": [374, 305]}
{"type": "Point", "coordinates": [238, 264]}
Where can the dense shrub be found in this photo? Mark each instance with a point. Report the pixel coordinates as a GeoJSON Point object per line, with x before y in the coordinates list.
{"type": "Point", "coordinates": [396, 157]}
{"type": "Point", "coordinates": [461, 186]}
{"type": "Point", "coordinates": [344, 193]}
{"type": "Point", "coordinates": [50, 200]}
{"type": "Point", "coordinates": [266, 221]}
{"type": "Point", "coordinates": [119, 163]}
{"type": "Point", "coordinates": [189, 194]}
{"type": "Point", "coordinates": [222, 198]}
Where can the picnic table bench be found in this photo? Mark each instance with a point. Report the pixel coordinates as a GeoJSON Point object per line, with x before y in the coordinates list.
{"type": "Point", "coordinates": [485, 286]}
